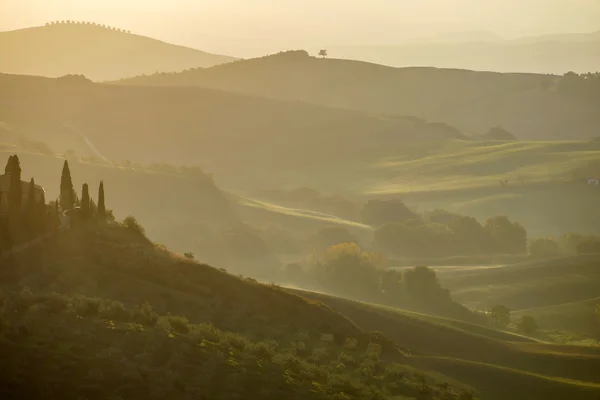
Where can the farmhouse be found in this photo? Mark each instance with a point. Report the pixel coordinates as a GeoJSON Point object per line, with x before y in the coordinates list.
{"type": "Point", "coordinates": [4, 187]}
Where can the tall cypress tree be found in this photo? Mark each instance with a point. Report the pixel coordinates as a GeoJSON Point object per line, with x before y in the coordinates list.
{"type": "Point", "coordinates": [85, 201]}
{"type": "Point", "coordinates": [101, 206]}
{"type": "Point", "coordinates": [41, 215]}
{"type": "Point", "coordinates": [31, 214]}
{"type": "Point", "coordinates": [67, 193]}
{"type": "Point", "coordinates": [8, 165]}
{"type": "Point", "coordinates": [14, 190]}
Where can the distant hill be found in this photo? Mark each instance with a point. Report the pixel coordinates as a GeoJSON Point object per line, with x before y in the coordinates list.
{"type": "Point", "coordinates": [240, 138]}
{"type": "Point", "coordinates": [99, 53]}
{"type": "Point", "coordinates": [483, 51]}
{"type": "Point", "coordinates": [528, 105]}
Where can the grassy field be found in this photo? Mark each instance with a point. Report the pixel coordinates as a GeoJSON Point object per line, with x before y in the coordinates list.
{"type": "Point", "coordinates": [498, 364]}
{"type": "Point", "coordinates": [571, 318]}
{"type": "Point", "coordinates": [526, 285]}
{"type": "Point", "coordinates": [459, 165]}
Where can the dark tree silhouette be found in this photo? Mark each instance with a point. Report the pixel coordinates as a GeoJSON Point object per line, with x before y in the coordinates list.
{"type": "Point", "coordinates": [41, 214]}
{"type": "Point", "coordinates": [67, 193]}
{"type": "Point", "coordinates": [85, 201]}
{"type": "Point", "coordinates": [14, 190]}
{"type": "Point", "coordinates": [101, 206]}
{"type": "Point", "coordinates": [323, 53]}
{"type": "Point", "coordinates": [31, 210]}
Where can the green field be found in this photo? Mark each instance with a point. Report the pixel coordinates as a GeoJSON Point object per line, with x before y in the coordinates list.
{"type": "Point", "coordinates": [460, 165]}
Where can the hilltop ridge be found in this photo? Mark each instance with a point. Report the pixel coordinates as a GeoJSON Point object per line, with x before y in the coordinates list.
{"type": "Point", "coordinates": [528, 105]}
{"type": "Point", "coordinates": [98, 52]}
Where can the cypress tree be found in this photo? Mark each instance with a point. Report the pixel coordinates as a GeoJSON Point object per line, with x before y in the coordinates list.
{"type": "Point", "coordinates": [14, 190]}
{"type": "Point", "coordinates": [101, 207]}
{"type": "Point", "coordinates": [8, 165]}
{"type": "Point", "coordinates": [41, 214]}
{"type": "Point", "coordinates": [31, 214]}
{"type": "Point", "coordinates": [67, 193]}
{"type": "Point", "coordinates": [85, 201]}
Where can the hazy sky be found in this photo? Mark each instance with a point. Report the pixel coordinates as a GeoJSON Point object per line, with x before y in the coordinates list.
{"type": "Point", "coordinates": [234, 26]}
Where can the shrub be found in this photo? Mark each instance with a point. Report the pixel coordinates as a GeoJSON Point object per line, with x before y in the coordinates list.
{"type": "Point", "coordinates": [527, 325]}
{"type": "Point", "coordinates": [114, 310]}
{"type": "Point", "coordinates": [543, 247]}
{"type": "Point", "coordinates": [180, 324]}
{"type": "Point", "coordinates": [132, 223]}
{"type": "Point", "coordinates": [589, 245]}
{"type": "Point", "coordinates": [500, 315]}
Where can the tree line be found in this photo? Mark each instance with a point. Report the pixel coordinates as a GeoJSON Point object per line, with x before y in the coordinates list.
{"type": "Point", "coordinates": [583, 86]}
{"type": "Point", "coordinates": [26, 215]}
{"type": "Point", "coordinates": [401, 232]}
{"type": "Point", "coordinates": [70, 22]}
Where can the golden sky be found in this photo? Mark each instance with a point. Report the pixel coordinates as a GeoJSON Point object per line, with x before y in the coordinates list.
{"type": "Point", "coordinates": [214, 24]}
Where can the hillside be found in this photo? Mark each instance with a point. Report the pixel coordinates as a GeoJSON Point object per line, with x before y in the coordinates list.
{"type": "Point", "coordinates": [528, 105]}
{"type": "Point", "coordinates": [100, 309]}
{"type": "Point", "coordinates": [99, 53]}
{"type": "Point", "coordinates": [190, 206]}
{"type": "Point", "coordinates": [526, 285]}
{"type": "Point", "coordinates": [498, 365]}
{"type": "Point", "coordinates": [237, 137]}
{"type": "Point", "coordinates": [112, 309]}
{"type": "Point", "coordinates": [547, 54]}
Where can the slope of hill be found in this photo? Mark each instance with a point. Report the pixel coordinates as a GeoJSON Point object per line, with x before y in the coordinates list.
{"type": "Point", "coordinates": [100, 309]}
{"type": "Point", "coordinates": [525, 104]}
{"type": "Point", "coordinates": [104, 306]}
{"type": "Point", "coordinates": [232, 135]}
{"type": "Point", "coordinates": [97, 52]}
{"type": "Point", "coordinates": [527, 285]}
{"type": "Point", "coordinates": [553, 54]}
{"type": "Point", "coordinates": [177, 206]}
{"type": "Point", "coordinates": [576, 318]}
{"type": "Point", "coordinates": [498, 364]}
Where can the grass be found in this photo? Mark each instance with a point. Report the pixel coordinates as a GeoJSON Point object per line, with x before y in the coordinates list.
{"type": "Point", "coordinates": [526, 285]}
{"type": "Point", "coordinates": [496, 363]}
{"type": "Point", "coordinates": [575, 318]}
{"type": "Point", "coordinates": [459, 165]}
{"type": "Point", "coordinates": [302, 214]}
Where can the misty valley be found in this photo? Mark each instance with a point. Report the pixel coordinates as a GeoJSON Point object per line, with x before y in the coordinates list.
{"type": "Point", "coordinates": [356, 222]}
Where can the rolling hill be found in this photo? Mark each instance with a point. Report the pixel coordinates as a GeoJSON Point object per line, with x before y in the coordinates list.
{"type": "Point", "coordinates": [528, 105]}
{"type": "Point", "coordinates": [99, 53]}
{"type": "Point", "coordinates": [105, 304]}
{"type": "Point", "coordinates": [497, 364]}
{"type": "Point", "coordinates": [527, 285]}
{"type": "Point", "coordinates": [115, 310]}
{"type": "Point", "coordinates": [546, 54]}
{"type": "Point", "coordinates": [240, 138]}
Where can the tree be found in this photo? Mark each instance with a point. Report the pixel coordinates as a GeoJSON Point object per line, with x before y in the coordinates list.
{"type": "Point", "coordinates": [85, 201]}
{"type": "Point", "coordinates": [500, 315]}
{"type": "Point", "coordinates": [527, 325]}
{"type": "Point", "coordinates": [31, 210]}
{"type": "Point", "coordinates": [101, 206]}
{"type": "Point", "coordinates": [323, 53]}
{"type": "Point", "coordinates": [9, 164]}
{"type": "Point", "coordinates": [589, 245]}
{"type": "Point", "coordinates": [67, 193]}
{"type": "Point", "coordinates": [507, 237]}
{"type": "Point", "coordinates": [380, 212]}
{"type": "Point", "coordinates": [14, 190]}
{"type": "Point", "coordinates": [41, 214]}
{"type": "Point", "coordinates": [543, 247]}
{"type": "Point", "coordinates": [471, 236]}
